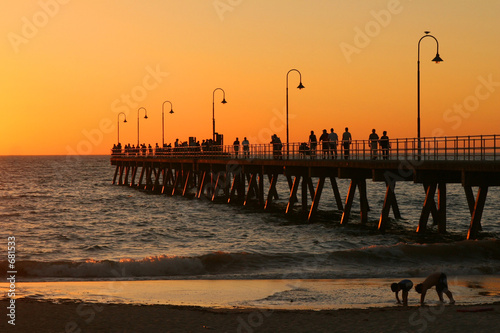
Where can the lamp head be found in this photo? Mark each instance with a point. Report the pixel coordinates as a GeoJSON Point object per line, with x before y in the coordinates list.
{"type": "Point", "coordinates": [301, 86]}
{"type": "Point", "coordinates": [223, 101]}
{"type": "Point", "coordinates": [125, 121]}
{"type": "Point", "coordinates": [146, 117]}
{"type": "Point", "coordinates": [437, 59]}
{"type": "Point", "coordinates": [171, 111]}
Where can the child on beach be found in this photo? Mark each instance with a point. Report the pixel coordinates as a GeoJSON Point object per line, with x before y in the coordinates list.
{"type": "Point", "coordinates": [405, 286]}
{"type": "Point", "coordinates": [436, 279]}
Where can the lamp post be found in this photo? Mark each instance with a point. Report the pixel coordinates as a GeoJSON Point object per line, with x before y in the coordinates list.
{"type": "Point", "coordinates": [163, 121]}
{"type": "Point", "coordinates": [125, 120]}
{"type": "Point", "coordinates": [299, 87]}
{"type": "Point", "coordinates": [213, 109]}
{"type": "Point", "coordinates": [436, 59]}
{"type": "Point", "coordinates": [145, 117]}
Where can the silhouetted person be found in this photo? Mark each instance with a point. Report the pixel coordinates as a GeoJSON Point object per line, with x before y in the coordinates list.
{"type": "Point", "coordinates": [384, 145]}
{"type": "Point", "coordinates": [333, 138]}
{"type": "Point", "coordinates": [404, 286]}
{"type": "Point", "coordinates": [277, 146]}
{"type": "Point", "coordinates": [439, 280]}
{"type": "Point", "coordinates": [373, 141]}
{"type": "Point", "coordinates": [346, 142]}
{"type": "Point", "coordinates": [313, 142]}
{"type": "Point", "coordinates": [236, 146]}
{"type": "Point", "coordinates": [325, 143]}
{"type": "Point", "coordinates": [246, 147]}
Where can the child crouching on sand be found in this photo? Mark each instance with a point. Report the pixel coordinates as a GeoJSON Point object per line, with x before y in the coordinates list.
{"type": "Point", "coordinates": [436, 279]}
{"type": "Point", "coordinates": [405, 286]}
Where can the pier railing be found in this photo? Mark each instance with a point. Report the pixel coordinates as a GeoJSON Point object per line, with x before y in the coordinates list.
{"type": "Point", "coordinates": [456, 148]}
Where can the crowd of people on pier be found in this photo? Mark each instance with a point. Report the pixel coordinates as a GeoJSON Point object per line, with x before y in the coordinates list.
{"type": "Point", "coordinates": [328, 142]}
{"type": "Point", "coordinates": [192, 145]}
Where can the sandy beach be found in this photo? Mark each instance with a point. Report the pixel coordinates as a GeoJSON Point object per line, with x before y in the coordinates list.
{"type": "Point", "coordinates": [247, 306]}
{"type": "Point", "coordinates": [71, 316]}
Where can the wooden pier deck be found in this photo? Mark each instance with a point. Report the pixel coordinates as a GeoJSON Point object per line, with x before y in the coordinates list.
{"type": "Point", "coordinates": [226, 174]}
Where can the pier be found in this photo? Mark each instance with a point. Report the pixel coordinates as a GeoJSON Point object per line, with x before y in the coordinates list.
{"type": "Point", "coordinates": [224, 173]}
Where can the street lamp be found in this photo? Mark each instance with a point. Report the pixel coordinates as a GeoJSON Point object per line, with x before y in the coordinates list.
{"type": "Point", "coordinates": [299, 87]}
{"type": "Point", "coordinates": [125, 120]}
{"type": "Point", "coordinates": [145, 117]}
{"type": "Point", "coordinates": [213, 109]}
{"type": "Point", "coordinates": [436, 59]}
{"type": "Point", "coordinates": [163, 121]}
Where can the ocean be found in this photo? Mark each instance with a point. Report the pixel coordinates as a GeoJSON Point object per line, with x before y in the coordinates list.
{"type": "Point", "coordinates": [72, 225]}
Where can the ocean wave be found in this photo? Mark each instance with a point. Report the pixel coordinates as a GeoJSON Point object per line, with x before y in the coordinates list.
{"type": "Point", "coordinates": [457, 251]}
{"type": "Point", "coordinates": [154, 266]}
{"type": "Point", "coordinates": [467, 257]}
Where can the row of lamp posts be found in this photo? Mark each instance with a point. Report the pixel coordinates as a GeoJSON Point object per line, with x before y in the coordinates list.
{"type": "Point", "coordinates": [213, 113]}
{"type": "Point", "coordinates": [146, 117]}
{"type": "Point", "coordinates": [436, 59]}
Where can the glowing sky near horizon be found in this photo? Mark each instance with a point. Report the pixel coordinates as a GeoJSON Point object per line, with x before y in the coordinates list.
{"type": "Point", "coordinates": [69, 67]}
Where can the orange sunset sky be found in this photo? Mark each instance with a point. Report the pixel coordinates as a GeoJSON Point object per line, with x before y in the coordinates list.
{"type": "Point", "coordinates": [69, 67]}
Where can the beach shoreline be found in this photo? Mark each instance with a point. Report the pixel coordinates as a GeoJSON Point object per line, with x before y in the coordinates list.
{"type": "Point", "coordinates": [352, 305]}
{"type": "Point", "coordinates": [277, 294]}
{"type": "Point", "coordinates": [75, 316]}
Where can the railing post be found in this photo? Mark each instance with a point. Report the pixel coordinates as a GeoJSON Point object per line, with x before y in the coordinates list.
{"type": "Point", "coordinates": [482, 148]}
{"type": "Point", "coordinates": [397, 149]}
{"type": "Point", "coordinates": [406, 148]}
{"type": "Point", "coordinates": [494, 147]}
{"type": "Point", "coordinates": [468, 147]}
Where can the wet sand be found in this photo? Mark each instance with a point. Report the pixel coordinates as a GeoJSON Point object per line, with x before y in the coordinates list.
{"type": "Point", "coordinates": [71, 316]}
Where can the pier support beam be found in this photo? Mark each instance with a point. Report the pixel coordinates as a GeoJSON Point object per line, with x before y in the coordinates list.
{"type": "Point", "coordinates": [348, 202]}
{"type": "Point", "coordinates": [290, 186]}
{"type": "Point", "coordinates": [360, 183]}
{"type": "Point", "coordinates": [389, 201]}
{"type": "Point", "coordinates": [316, 198]}
{"type": "Point", "coordinates": [478, 212]}
{"type": "Point", "coordinates": [428, 205]}
{"type": "Point", "coordinates": [469, 194]}
{"type": "Point", "coordinates": [201, 184]}
{"type": "Point", "coordinates": [132, 177]}
{"type": "Point", "coordinates": [273, 180]}
{"type": "Point", "coordinates": [441, 222]}
{"type": "Point", "coordinates": [185, 191]}
{"type": "Point", "coordinates": [363, 201]}
{"type": "Point", "coordinates": [116, 173]}
{"type": "Point", "coordinates": [293, 194]}
{"type": "Point", "coordinates": [336, 193]}
{"type": "Point", "coordinates": [237, 191]}
{"type": "Point", "coordinates": [439, 213]}
{"type": "Point", "coordinates": [127, 169]}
